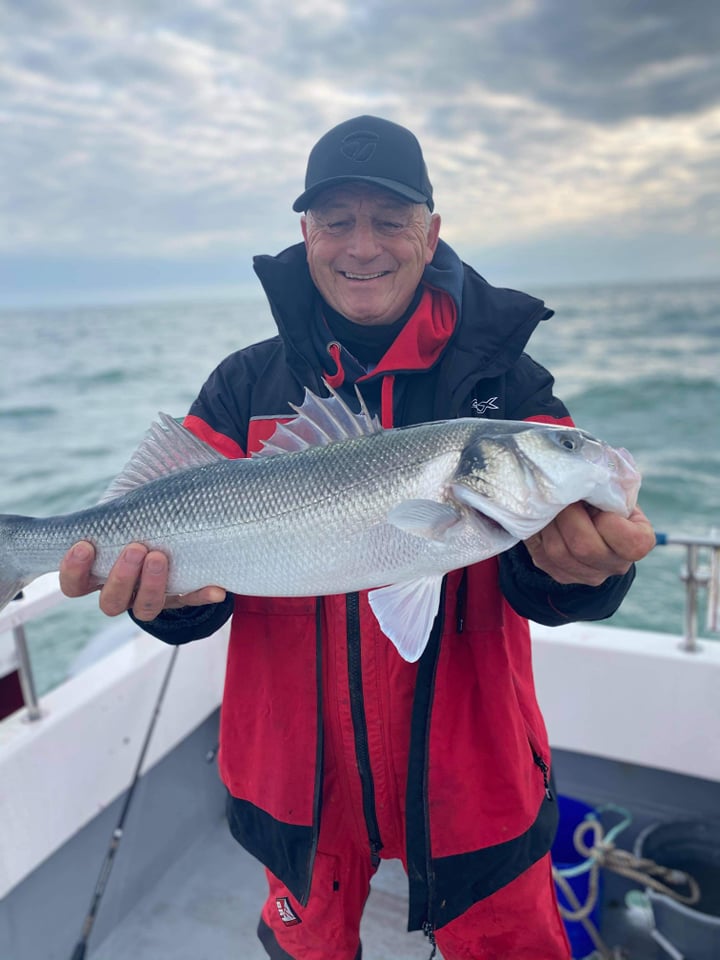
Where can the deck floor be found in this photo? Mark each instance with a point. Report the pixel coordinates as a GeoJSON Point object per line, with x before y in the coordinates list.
{"type": "Point", "coordinates": [206, 907]}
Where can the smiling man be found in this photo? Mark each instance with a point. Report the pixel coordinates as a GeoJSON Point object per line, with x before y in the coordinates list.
{"type": "Point", "coordinates": [336, 753]}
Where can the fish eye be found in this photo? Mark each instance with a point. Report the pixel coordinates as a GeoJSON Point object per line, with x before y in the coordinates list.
{"type": "Point", "coordinates": [568, 441]}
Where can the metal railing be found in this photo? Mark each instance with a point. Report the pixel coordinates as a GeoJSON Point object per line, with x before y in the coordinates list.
{"type": "Point", "coordinates": [41, 596]}
{"type": "Point", "coordinates": [701, 571]}
{"type": "Point", "coordinates": [25, 673]}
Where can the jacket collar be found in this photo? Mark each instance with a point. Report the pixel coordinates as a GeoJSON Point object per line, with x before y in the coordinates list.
{"type": "Point", "coordinates": [495, 323]}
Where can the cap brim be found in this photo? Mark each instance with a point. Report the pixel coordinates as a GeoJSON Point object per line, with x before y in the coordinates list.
{"type": "Point", "coordinates": [305, 199]}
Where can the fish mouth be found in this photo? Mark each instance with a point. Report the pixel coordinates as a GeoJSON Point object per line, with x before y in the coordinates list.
{"type": "Point", "coordinates": [477, 508]}
{"type": "Point", "coordinates": [491, 524]}
{"type": "Point", "coordinates": [492, 516]}
{"type": "Point", "coordinates": [628, 476]}
{"type": "Point", "coordinates": [620, 494]}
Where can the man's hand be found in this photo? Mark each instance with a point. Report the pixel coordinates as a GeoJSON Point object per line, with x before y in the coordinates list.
{"type": "Point", "coordinates": [137, 581]}
{"type": "Point", "coordinates": [586, 545]}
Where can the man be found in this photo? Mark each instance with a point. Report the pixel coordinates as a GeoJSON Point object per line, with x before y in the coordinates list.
{"type": "Point", "coordinates": [336, 753]}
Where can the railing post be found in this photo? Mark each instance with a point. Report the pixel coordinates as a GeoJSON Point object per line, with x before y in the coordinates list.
{"type": "Point", "coordinates": [25, 672]}
{"type": "Point", "coordinates": [694, 577]}
{"type": "Point", "coordinates": [692, 581]}
{"type": "Point", "coordinates": [713, 597]}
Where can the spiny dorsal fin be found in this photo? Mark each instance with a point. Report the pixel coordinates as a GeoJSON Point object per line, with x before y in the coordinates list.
{"type": "Point", "coordinates": [166, 448]}
{"type": "Point", "coordinates": [320, 421]}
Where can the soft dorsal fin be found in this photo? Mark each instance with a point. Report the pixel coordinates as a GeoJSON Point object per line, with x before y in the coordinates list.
{"type": "Point", "coordinates": [320, 421]}
{"type": "Point", "coordinates": [166, 448]}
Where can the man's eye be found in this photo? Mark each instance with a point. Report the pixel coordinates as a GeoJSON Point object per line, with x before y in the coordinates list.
{"type": "Point", "coordinates": [338, 226]}
{"type": "Point", "coordinates": [390, 226]}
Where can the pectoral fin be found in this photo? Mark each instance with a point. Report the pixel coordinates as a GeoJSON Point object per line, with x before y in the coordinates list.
{"type": "Point", "coordinates": [424, 518]}
{"type": "Point", "coordinates": [406, 613]}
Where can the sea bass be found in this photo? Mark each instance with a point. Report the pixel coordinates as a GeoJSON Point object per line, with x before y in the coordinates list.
{"type": "Point", "coordinates": [333, 503]}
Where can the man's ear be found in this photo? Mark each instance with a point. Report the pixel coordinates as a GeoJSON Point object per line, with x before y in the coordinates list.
{"type": "Point", "coordinates": [432, 237]}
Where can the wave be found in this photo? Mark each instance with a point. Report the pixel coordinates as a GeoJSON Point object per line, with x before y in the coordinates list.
{"type": "Point", "coordinates": [103, 378]}
{"type": "Point", "coordinates": [654, 398]}
{"type": "Point", "coordinates": [28, 412]}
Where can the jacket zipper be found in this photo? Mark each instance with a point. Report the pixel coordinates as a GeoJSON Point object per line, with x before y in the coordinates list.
{"type": "Point", "coordinates": [539, 762]}
{"type": "Point", "coordinates": [428, 926]}
{"type": "Point", "coordinates": [429, 932]}
{"type": "Point", "coordinates": [421, 873]}
{"type": "Point", "coordinates": [317, 792]}
{"type": "Point", "coordinates": [357, 710]}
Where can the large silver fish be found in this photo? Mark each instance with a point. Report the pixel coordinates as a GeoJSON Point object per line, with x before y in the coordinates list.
{"type": "Point", "coordinates": [334, 504]}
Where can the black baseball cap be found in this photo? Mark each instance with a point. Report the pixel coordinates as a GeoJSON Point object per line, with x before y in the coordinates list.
{"type": "Point", "coordinates": [372, 150]}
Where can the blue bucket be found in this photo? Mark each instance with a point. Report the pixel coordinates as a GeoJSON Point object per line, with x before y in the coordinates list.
{"type": "Point", "coordinates": [565, 858]}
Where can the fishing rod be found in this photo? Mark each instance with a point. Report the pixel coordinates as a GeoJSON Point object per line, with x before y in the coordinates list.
{"type": "Point", "coordinates": [117, 834]}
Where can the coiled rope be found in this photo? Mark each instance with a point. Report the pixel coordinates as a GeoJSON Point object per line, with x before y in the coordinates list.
{"type": "Point", "coordinates": [601, 852]}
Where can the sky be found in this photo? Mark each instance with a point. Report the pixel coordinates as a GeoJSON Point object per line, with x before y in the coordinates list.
{"type": "Point", "coordinates": [149, 148]}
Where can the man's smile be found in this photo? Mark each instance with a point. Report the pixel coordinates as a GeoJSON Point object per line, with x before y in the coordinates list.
{"type": "Point", "coordinates": [363, 276]}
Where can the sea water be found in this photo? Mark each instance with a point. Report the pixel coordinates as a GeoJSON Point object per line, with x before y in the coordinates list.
{"type": "Point", "coordinates": [637, 365]}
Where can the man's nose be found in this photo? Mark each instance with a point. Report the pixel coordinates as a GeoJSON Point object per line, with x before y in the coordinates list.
{"type": "Point", "coordinates": [363, 242]}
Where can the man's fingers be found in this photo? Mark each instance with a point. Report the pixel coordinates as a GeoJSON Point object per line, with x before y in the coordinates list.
{"type": "Point", "coordinates": [632, 538]}
{"type": "Point", "coordinates": [587, 546]}
{"type": "Point", "coordinates": [196, 598]}
{"type": "Point", "coordinates": [551, 553]}
{"type": "Point", "coordinates": [76, 580]}
{"type": "Point", "coordinates": [137, 581]}
{"type": "Point", "coordinates": [149, 598]}
{"type": "Point", "coordinates": [119, 591]}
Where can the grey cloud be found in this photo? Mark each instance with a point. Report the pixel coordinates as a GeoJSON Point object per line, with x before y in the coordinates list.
{"type": "Point", "coordinates": [613, 60]}
{"type": "Point", "coordinates": [31, 13]}
{"type": "Point", "coordinates": [597, 61]}
{"type": "Point", "coordinates": [155, 127]}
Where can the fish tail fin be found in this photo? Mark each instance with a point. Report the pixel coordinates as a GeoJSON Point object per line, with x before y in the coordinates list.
{"type": "Point", "coordinates": [11, 579]}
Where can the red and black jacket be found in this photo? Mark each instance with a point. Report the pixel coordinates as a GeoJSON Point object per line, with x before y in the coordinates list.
{"type": "Point", "coordinates": [481, 813]}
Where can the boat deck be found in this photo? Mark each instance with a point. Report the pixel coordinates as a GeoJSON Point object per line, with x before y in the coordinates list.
{"type": "Point", "coordinates": [206, 907]}
{"type": "Point", "coordinates": [183, 889]}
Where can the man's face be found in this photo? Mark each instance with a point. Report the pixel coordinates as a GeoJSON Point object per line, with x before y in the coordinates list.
{"type": "Point", "coordinates": [366, 250]}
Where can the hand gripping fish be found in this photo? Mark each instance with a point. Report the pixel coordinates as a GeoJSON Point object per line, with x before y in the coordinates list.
{"type": "Point", "coordinates": [332, 504]}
